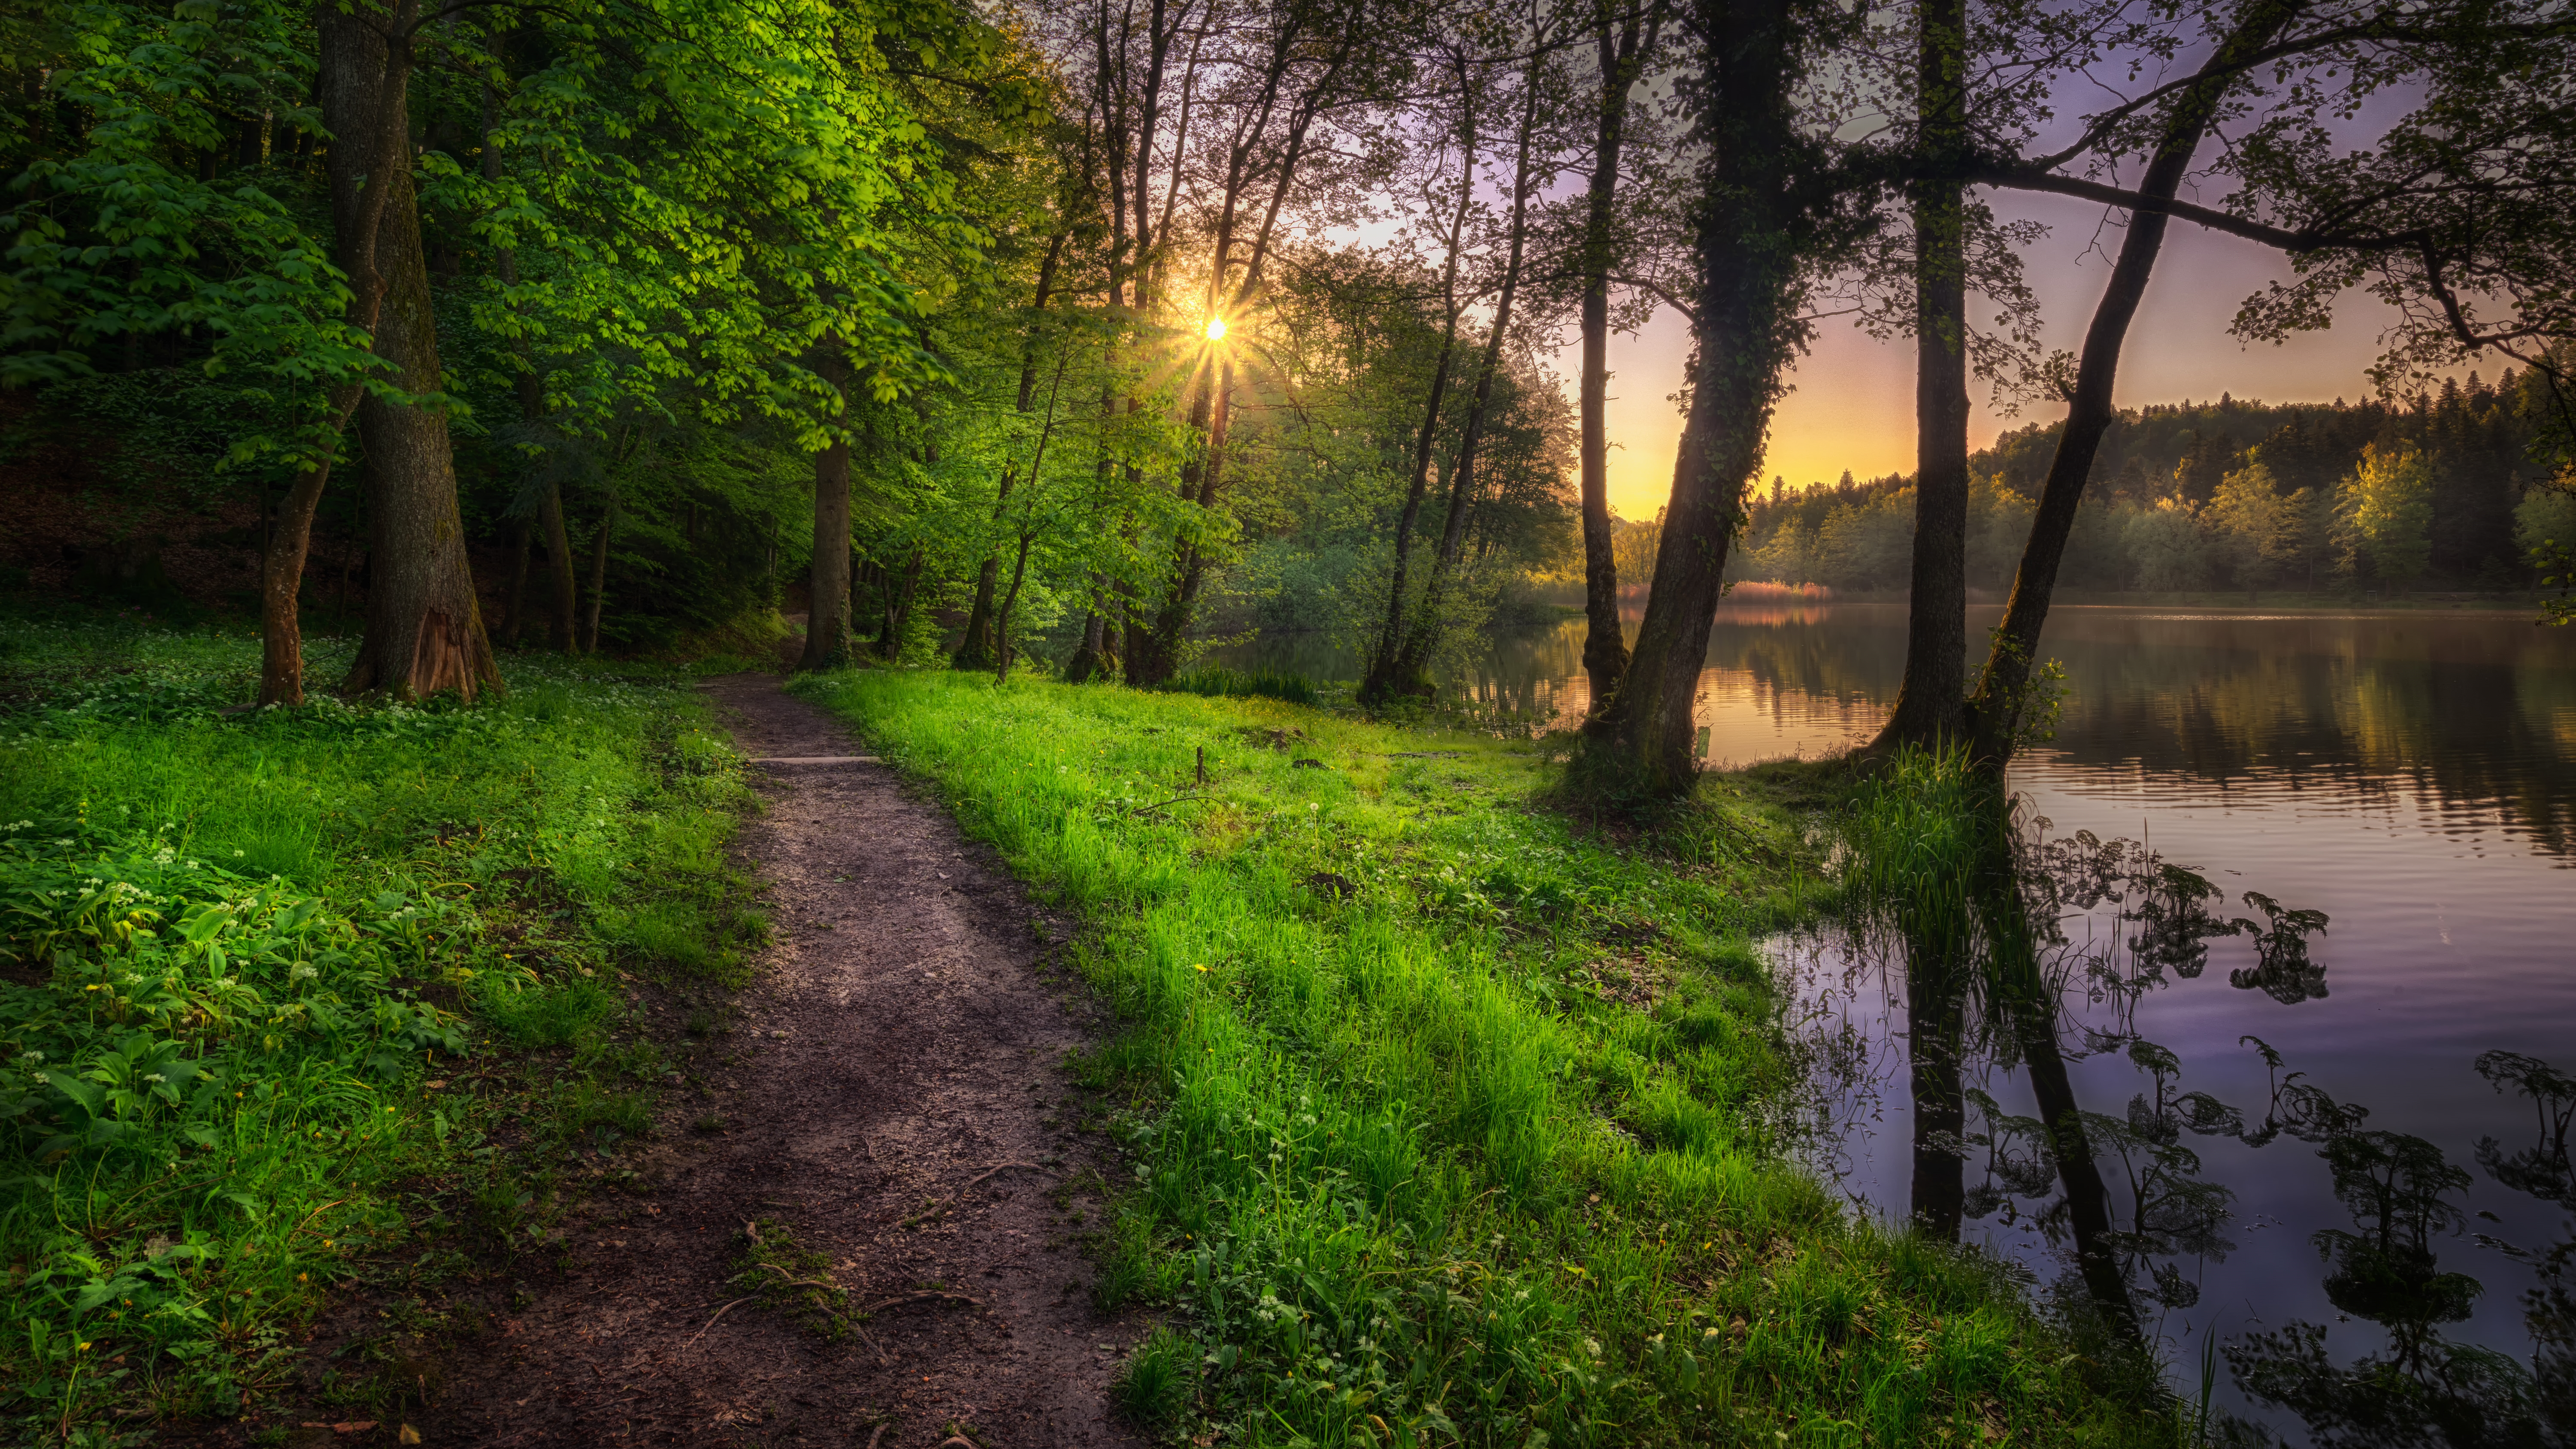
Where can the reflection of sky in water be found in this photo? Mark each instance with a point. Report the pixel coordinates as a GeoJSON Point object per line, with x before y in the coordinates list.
{"type": "Point", "coordinates": [2412, 775]}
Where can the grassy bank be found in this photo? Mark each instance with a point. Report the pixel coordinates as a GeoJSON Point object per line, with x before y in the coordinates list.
{"type": "Point", "coordinates": [297, 999]}
{"type": "Point", "coordinates": [1448, 1119]}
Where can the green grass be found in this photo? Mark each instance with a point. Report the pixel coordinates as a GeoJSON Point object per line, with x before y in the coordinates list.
{"type": "Point", "coordinates": [1219, 682]}
{"type": "Point", "coordinates": [1447, 1121]}
{"type": "Point", "coordinates": [287, 997]}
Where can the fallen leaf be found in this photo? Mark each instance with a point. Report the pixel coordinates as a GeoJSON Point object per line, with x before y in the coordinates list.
{"type": "Point", "coordinates": [354, 1426]}
{"type": "Point", "coordinates": [409, 1435]}
{"type": "Point", "coordinates": [434, 1086]}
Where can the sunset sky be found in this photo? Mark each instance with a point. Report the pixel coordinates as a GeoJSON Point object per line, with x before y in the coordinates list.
{"type": "Point", "coordinates": [1853, 406]}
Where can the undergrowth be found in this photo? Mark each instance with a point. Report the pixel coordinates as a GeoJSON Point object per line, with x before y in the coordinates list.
{"type": "Point", "coordinates": [292, 1000]}
{"type": "Point", "coordinates": [1448, 1119]}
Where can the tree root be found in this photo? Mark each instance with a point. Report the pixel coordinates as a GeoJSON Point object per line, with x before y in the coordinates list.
{"type": "Point", "coordinates": [701, 1333]}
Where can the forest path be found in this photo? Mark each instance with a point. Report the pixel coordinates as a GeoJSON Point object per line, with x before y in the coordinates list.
{"type": "Point", "coordinates": [902, 1048]}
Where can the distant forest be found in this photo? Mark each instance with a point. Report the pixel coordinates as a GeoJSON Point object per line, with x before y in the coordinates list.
{"type": "Point", "coordinates": [2436, 491]}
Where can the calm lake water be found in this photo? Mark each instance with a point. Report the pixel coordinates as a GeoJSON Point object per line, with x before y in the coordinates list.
{"type": "Point", "coordinates": [2325, 1149]}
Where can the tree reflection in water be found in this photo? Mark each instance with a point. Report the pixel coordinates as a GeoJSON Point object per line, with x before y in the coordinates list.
{"type": "Point", "coordinates": [1992, 983]}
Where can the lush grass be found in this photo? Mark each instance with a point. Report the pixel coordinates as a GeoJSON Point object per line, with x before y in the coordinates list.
{"type": "Point", "coordinates": [1219, 682]}
{"type": "Point", "coordinates": [274, 981]}
{"type": "Point", "coordinates": [1448, 1122]}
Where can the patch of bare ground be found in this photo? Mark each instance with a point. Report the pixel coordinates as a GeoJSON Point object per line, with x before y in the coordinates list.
{"type": "Point", "coordinates": [890, 1106]}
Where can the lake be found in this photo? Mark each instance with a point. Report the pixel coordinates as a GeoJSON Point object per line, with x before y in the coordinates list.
{"type": "Point", "coordinates": [2336, 1151]}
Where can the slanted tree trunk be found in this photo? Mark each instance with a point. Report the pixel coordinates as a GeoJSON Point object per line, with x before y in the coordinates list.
{"type": "Point", "coordinates": [1338, 33]}
{"type": "Point", "coordinates": [1745, 321]}
{"type": "Point", "coordinates": [975, 650]}
{"type": "Point", "coordinates": [825, 645]}
{"type": "Point", "coordinates": [424, 629]}
{"type": "Point", "coordinates": [1623, 58]}
{"type": "Point", "coordinates": [1382, 682]}
{"type": "Point", "coordinates": [1931, 704]}
{"type": "Point", "coordinates": [2003, 690]}
{"type": "Point", "coordinates": [1413, 664]}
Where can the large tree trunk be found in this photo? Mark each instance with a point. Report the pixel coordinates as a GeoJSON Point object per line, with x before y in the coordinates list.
{"type": "Point", "coordinates": [825, 645]}
{"type": "Point", "coordinates": [2003, 690]}
{"type": "Point", "coordinates": [1745, 323]}
{"type": "Point", "coordinates": [424, 628]}
{"type": "Point", "coordinates": [377, 138]}
{"type": "Point", "coordinates": [1605, 643]}
{"type": "Point", "coordinates": [1931, 705]}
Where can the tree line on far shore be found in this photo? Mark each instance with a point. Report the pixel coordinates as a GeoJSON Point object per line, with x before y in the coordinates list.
{"type": "Point", "coordinates": [2435, 490]}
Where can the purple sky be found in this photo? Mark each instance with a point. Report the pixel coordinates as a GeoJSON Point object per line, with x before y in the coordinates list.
{"type": "Point", "coordinates": [1853, 406]}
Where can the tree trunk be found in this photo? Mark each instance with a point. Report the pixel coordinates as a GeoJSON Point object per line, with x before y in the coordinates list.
{"type": "Point", "coordinates": [975, 650]}
{"type": "Point", "coordinates": [1745, 322]}
{"type": "Point", "coordinates": [2003, 689]}
{"type": "Point", "coordinates": [514, 608]}
{"type": "Point", "coordinates": [378, 136]}
{"type": "Point", "coordinates": [1605, 642]}
{"type": "Point", "coordinates": [1934, 1018]}
{"type": "Point", "coordinates": [1383, 681]}
{"type": "Point", "coordinates": [424, 629]}
{"type": "Point", "coordinates": [899, 610]}
{"type": "Point", "coordinates": [599, 574]}
{"type": "Point", "coordinates": [1414, 662]}
{"type": "Point", "coordinates": [1931, 704]}
{"type": "Point", "coordinates": [550, 516]}
{"type": "Point", "coordinates": [825, 647]}
{"type": "Point", "coordinates": [1002, 629]}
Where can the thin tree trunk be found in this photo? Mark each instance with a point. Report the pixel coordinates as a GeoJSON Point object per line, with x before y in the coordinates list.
{"type": "Point", "coordinates": [900, 616]}
{"type": "Point", "coordinates": [560, 621]}
{"type": "Point", "coordinates": [1413, 664]}
{"type": "Point", "coordinates": [1019, 571]}
{"type": "Point", "coordinates": [1381, 683]}
{"type": "Point", "coordinates": [2003, 689]}
{"type": "Point", "coordinates": [1931, 703]}
{"type": "Point", "coordinates": [599, 575]}
{"type": "Point", "coordinates": [1744, 320]}
{"type": "Point", "coordinates": [975, 650]}
{"type": "Point", "coordinates": [1212, 411]}
{"type": "Point", "coordinates": [1623, 57]}
{"type": "Point", "coordinates": [514, 607]}
{"type": "Point", "coordinates": [424, 629]}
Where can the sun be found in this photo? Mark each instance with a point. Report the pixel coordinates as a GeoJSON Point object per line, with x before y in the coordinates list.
{"type": "Point", "coordinates": [1216, 329]}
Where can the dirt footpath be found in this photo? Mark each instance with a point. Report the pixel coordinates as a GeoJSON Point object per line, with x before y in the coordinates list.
{"type": "Point", "coordinates": [894, 1095]}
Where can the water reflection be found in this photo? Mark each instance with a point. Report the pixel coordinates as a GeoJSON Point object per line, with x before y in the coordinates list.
{"type": "Point", "coordinates": [2326, 873]}
{"type": "Point", "coordinates": [2034, 953]}
{"type": "Point", "coordinates": [2475, 712]}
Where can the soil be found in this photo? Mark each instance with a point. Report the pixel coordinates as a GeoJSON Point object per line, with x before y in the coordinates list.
{"type": "Point", "coordinates": [893, 1095]}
